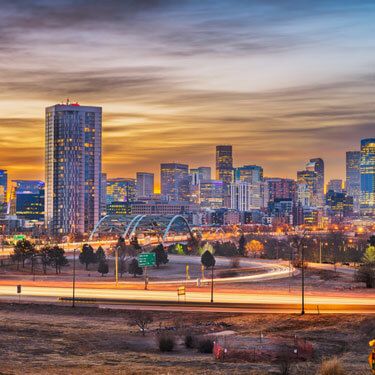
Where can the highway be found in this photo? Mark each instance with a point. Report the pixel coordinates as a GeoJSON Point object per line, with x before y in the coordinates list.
{"type": "Point", "coordinates": [164, 299]}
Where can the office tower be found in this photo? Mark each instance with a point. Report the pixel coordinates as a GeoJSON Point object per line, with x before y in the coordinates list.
{"type": "Point", "coordinates": [307, 181]}
{"type": "Point", "coordinates": [281, 188]}
{"type": "Point", "coordinates": [249, 173]}
{"type": "Point", "coordinates": [211, 193]}
{"type": "Point", "coordinates": [367, 169]}
{"type": "Point", "coordinates": [339, 204]}
{"type": "Point", "coordinates": [200, 174]}
{"type": "Point", "coordinates": [73, 163]}
{"type": "Point", "coordinates": [335, 185]}
{"type": "Point", "coordinates": [103, 195]}
{"type": "Point", "coordinates": [245, 196]}
{"type": "Point", "coordinates": [145, 184]}
{"type": "Point", "coordinates": [28, 199]}
{"type": "Point", "coordinates": [175, 181]}
{"type": "Point", "coordinates": [224, 169]}
{"type": "Point", "coordinates": [121, 190]}
{"type": "Point", "coordinates": [353, 177]}
{"type": "Point", "coordinates": [317, 165]}
{"type": "Point", "coordinates": [3, 185]}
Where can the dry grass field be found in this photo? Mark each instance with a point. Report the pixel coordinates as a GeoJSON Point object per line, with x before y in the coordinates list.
{"type": "Point", "coordinates": [42, 339]}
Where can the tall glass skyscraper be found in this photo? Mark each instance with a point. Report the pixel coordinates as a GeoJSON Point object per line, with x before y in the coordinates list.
{"type": "Point", "coordinates": [73, 163]}
{"type": "Point", "coordinates": [317, 165]}
{"type": "Point", "coordinates": [224, 170]}
{"type": "Point", "coordinates": [121, 190]}
{"type": "Point", "coordinates": [175, 181]}
{"type": "Point", "coordinates": [353, 177]}
{"type": "Point", "coordinates": [367, 169]}
{"type": "Point", "coordinates": [3, 185]}
{"type": "Point", "coordinates": [145, 184]}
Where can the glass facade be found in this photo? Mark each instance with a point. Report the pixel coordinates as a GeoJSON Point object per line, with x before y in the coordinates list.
{"type": "Point", "coordinates": [73, 168]}
{"type": "Point", "coordinates": [145, 184]}
{"type": "Point", "coordinates": [211, 194]}
{"type": "Point", "coordinates": [224, 168]}
{"type": "Point", "coordinates": [175, 181]}
{"type": "Point", "coordinates": [3, 185]}
{"type": "Point", "coordinates": [367, 169]}
{"type": "Point", "coordinates": [121, 190]}
{"type": "Point", "coordinates": [353, 177]}
{"type": "Point", "coordinates": [317, 165]}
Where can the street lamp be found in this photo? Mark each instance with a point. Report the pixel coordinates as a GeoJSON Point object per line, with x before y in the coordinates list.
{"type": "Point", "coordinates": [303, 279]}
{"type": "Point", "coordinates": [74, 277]}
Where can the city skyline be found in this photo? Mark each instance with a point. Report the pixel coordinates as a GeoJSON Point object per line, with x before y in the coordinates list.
{"type": "Point", "coordinates": [281, 89]}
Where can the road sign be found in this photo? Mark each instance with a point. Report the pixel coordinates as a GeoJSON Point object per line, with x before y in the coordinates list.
{"type": "Point", "coordinates": [181, 291]}
{"type": "Point", "coordinates": [19, 237]}
{"type": "Point", "coordinates": [146, 259]}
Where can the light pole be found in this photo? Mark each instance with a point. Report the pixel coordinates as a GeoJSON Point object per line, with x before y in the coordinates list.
{"type": "Point", "coordinates": [212, 284]}
{"type": "Point", "coordinates": [303, 279]}
{"type": "Point", "coordinates": [116, 265]}
{"type": "Point", "coordinates": [74, 277]}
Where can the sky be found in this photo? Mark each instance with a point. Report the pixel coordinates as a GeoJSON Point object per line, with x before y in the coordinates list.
{"type": "Point", "coordinates": [283, 81]}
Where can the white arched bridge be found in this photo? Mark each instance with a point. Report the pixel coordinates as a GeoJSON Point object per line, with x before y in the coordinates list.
{"type": "Point", "coordinates": [160, 226]}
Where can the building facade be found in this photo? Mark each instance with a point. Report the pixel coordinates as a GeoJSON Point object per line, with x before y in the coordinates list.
{"type": "Point", "coordinates": [317, 165]}
{"type": "Point", "coordinates": [353, 177]}
{"type": "Point", "coordinates": [224, 169]}
{"type": "Point", "coordinates": [73, 163]}
{"type": "Point", "coordinates": [334, 185]}
{"type": "Point", "coordinates": [367, 169]}
{"type": "Point", "coordinates": [3, 186]}
{"type": "Point", "coordinates": [145, 184]}
{"type": "Point", "coordinates": [175, 181]}
{"type": "Point", "coordinates": [211, 194]}
{"type": "Point", "coordinates": [121, 190]}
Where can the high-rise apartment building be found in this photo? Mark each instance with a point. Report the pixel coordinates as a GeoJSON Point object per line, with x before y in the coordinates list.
{"type": "Point", "coordinates": [353, 177]}
{"type": "Point", "coordinates": [224, 169]}
{"type": "Point", "coordinates": [317, 165]}
{"type": "Point", "coordinates": [249, 173]}
{"type": "Point", "coordinates": [73, 159]}
{"type": "Point", "coordinates": [367, 169]}
{"type": "Point", "coordinates": [175, 181]}
{"type": "Point", "coordinates": [145, 184]}
{"type": "Point", "coordinates": [200, 174]}
{"type": "Point", "coordinates": [246, 196]}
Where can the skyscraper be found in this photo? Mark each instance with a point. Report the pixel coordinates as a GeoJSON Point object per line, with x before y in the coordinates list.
{"type": "Point", "coordinates": [3, 185]}
{"type": "Point", "coordinates": [334, 185]}
{"type": "Point", "coordinates": [175, 181]}
{"type": "Point", "coordinates": [367, 169]}
{"type": "Point", "coordinates": [224, 170]}
{"type": "Point", "coordinates": [353, 177]}
{"type": "Point", "coordinates": [73, 159]}
{"type": "Point", "coordinates": [307, 188]}
{"type": "Point", "coordinates": [281, 188]}
{"type": "Point", "coordinates": [211, 194]}
{"type": "Point", "coordinates": [317, 165]}
{"type": "Point", "coordinates": [121, 190]}
{"type": "Point", "coordinates": [246, 196]}
{"type": "Point", "coordinates": [249, 173]}
{"type": "Point", "coordinates": [145, 184]}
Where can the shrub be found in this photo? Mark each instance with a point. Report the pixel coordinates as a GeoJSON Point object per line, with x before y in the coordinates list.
{"type": "Point", "coordinates": [190, 341]}
{"type": "Point", "coordinates": [205, 346]}
{"type": "Point", "coordinates": [331, 367]}
{"type": "Point", "coordinates": [166, 343]}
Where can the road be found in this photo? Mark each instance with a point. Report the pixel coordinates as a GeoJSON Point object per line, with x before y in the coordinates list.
{"type": "Point", "coordinates": [200, 299]}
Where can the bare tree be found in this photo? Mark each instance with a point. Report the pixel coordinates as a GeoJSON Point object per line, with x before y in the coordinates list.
{"type": "Point", "coordinates": [141, 319]}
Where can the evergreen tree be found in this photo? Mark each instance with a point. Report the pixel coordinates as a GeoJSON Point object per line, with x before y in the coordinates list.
{"type": "Point", "coordinates": [241, 245]}
{"type": "Point", "coordinates": [57, 258]}
{"type": "Point", "coordinates": [134, 268]}
{"type": "Point", "coordinates": [87, 255]}
{"type": "Point", "coordinates": [160, 255]}
{"type": "Point", "coordinates": [207, 259]}
{"type": "Point", "coordinates": [23, 250]}
{"type": "Point", "coordinates": [103, 266]}
{"type": "Point", "coordinates": [100, 254]}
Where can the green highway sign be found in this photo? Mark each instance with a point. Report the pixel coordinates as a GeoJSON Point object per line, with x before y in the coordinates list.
{"type": "Point", "coordinates": [146, 259]}
{"type": "Point", "coordinates": [19, 237]}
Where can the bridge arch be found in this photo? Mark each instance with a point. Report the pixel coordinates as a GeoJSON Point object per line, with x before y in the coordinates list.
{"type": "Point", "coordinates": [174, 218]}
{"type": "Point", "coordinates": [110, 224]}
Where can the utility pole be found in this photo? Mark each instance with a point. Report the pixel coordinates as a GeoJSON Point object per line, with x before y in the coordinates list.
{"type": "Point", "coordinates": [74, 277]}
